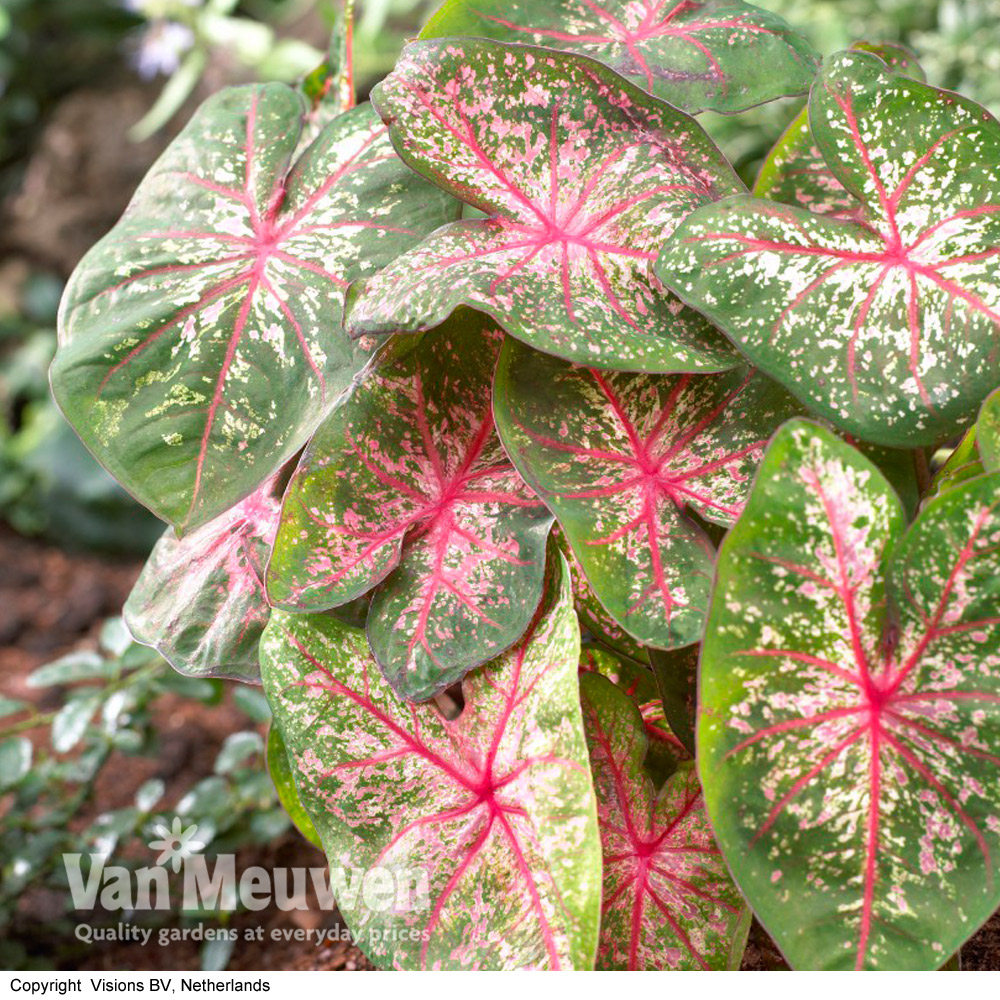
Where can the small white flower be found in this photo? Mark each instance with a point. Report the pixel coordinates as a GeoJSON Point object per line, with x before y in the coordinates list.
{"type": "Point", "coordinates": [161, 47]}
{"type": "Point", "coordinates": [176, 843]}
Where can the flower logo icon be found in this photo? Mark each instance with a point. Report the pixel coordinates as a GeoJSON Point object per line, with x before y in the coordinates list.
{"type": "Point", "coordinates": [176, 843]}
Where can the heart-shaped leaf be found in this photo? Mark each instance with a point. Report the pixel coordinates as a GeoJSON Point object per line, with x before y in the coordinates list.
{"type": "Point", "coordinates": [888, 325]}
{"type": "Point", "coordinates": [406, 485]}
{"type": "Point", "coordinates": [490, 816]}
{"type": "Point", "coordinates": [849, 735]}
{"type": "Point", "coordinates": [620, 457]}
{"type": "Point", "coordinates": [581, 176]}
{"type": "Point", "coordinates": [199, 340]}
{"type": "Point", "coordinates": [669, 902]}
{"type": "Point", "coordinates": [795, 172]}
{"type": "Point", "coordinates": [200, 599]}
{"type": "Point", "coordinates": [716, 55]}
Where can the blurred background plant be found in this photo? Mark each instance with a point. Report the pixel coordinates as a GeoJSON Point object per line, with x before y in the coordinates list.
{"type": "Point", "coordinates": [178, 38]}
{"type": "Point", "coordinates": [96, 746]}
{"type": "Point", "coordinates": [957, 42]}
{"type": "Point", "coordinates": [49, 484]}
{"type": "Point", "coordinates": [56, 765]}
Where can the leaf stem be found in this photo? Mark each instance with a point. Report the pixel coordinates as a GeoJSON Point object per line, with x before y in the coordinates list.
{"type": "Point", "coordinates": [345, 77]}
{"type": "Point", "coordinates": [923, 470]}
{"type": "Point", "coordinates": [33, 721]}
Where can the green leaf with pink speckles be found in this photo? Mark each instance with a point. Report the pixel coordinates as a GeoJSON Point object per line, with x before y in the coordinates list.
{"type": "Point", "coordinates": [200, 599]}
{"type": "Point", "coordinates": [714, 55]}
{"type": "Point", "coordinates": [406, 488]}
{"type": "Point", "coordinates": [620, 457]}
{"type": "Point", "coordinates": [849, 727]}
{"type": "Point", "coordinates": [888, 323]}
{"type": "Point", "coordinates": [594, 620]}
{"type": "Point", "coordinates": [669, 902]}
{"type": "Point", "coordinates": [795, 172]}
{"type": "Point", "coordinates": [484, 826]}
{"type": "Point", "coordinates": [580, 175]}
{"type": "Point", "coordinates": [200, 341]}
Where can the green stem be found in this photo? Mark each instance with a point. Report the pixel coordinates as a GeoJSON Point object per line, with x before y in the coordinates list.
{"type": "Point", "coordinates": [32, 722]}
{"type": "Point", "coordinates": [923, 471]}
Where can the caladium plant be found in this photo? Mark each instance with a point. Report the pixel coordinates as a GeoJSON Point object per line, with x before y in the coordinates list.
{"type": "Point", "coordinates": [850, 682]}
{"type": "Point", "coordinates": [491, 814]}
{"type": "Point", "coordinates": [718, 55]}
{"type": "Point", "coordinates": [579, 174]}
{"type": "Point", "coordinates": [621, 458]}
{"type": "Point", "coordinates": [612, 545]}
{"type": "Point", "coordinates": [886, 323]}
{"type": "Point", "coordinates": [795, 171]}
{"type": "Point", "coordinates": [200, 599]}
{"type": "Point", "coordinates": [669, 902]}
{"type": "Point", "coordinates": [406, 486]}
{"type": "Point", "coordinates": [199, 340]}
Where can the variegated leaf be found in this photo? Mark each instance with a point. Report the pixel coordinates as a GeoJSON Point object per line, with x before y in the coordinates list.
{"type": "Point", "coordinates": [594, 620]}
{"type": "Point", "coordinates": [484, 825]}
{"type": "Point", "coordinates": [669, 902]}
{"type": "Point", "coordinates": [200, 341]}
{"type": "Point", "coordinates": [200, 599]}
{"type": "Point", "coordinates": [406, 487]}
{"type": "Point", "coordinates": [849, 736]}
{"type": "Point", "coordinates": [620, 457]}
{"type": "Point", "coordinates": [716, 55]}
{"type": "Point", "coordinates": [887, 325]}
{"type": "Point", "coordinates": [580, 175]}
{"type": "Point", "coordinates": [795, 172]}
